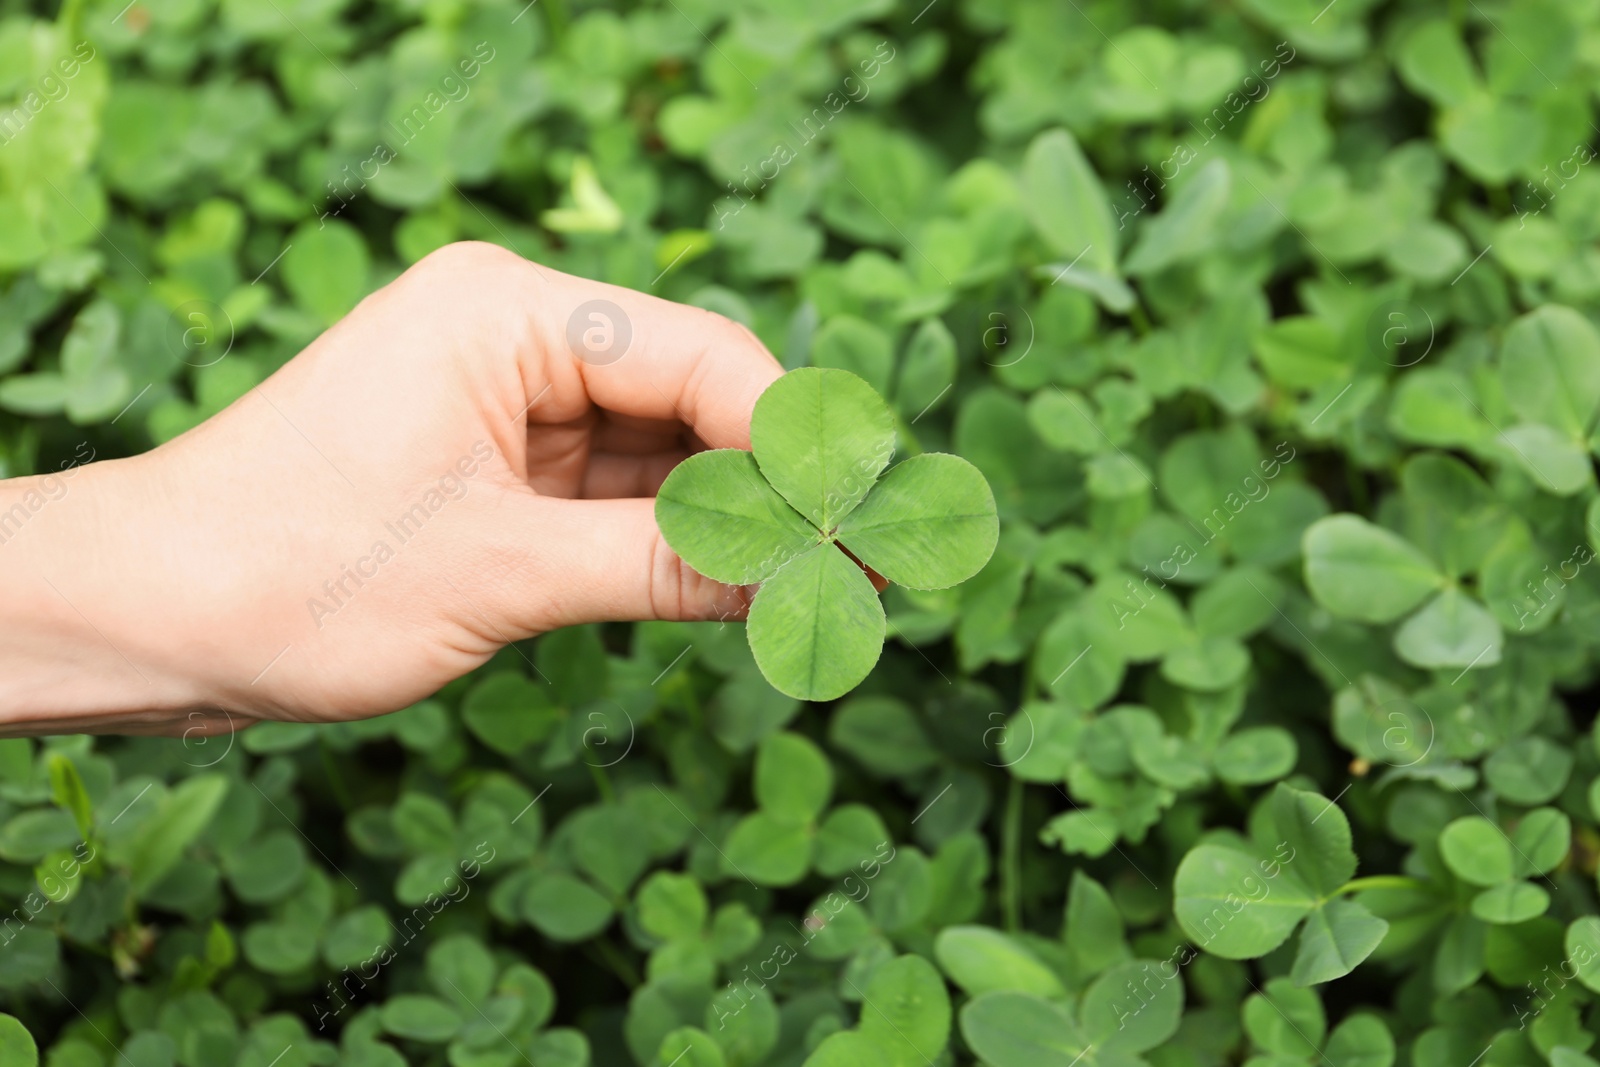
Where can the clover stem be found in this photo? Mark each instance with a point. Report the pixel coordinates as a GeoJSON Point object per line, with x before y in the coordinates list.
{"type": "Point", "coordinates": [692, 703]}
{"type": "Point", "coordinates": [1011, 859]}
{"type": "Point", "coordinates": [335, 779]}
{"type": "Point", "coordinates": [70, 16]}
{"type": "Point", "coordinates": [1137, 316]}
{"type": "Point", "coordinates": [616, 962]}
{"type": "Point", "coordinates": [556, 11]}
{"type": "Point", "coordinates": [1357, 483]}
{"type": "Point", "coordinates": [1377, 881]}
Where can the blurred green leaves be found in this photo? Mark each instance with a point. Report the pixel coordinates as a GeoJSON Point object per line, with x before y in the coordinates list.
{"type": "Point", "coordinates": [1270, 330]}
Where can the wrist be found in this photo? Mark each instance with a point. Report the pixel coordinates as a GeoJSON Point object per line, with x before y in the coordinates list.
{"type": "Point", "coordinates": [80, 648]}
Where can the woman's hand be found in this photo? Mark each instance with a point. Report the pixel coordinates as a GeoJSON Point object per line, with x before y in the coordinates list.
{"type": "Point", "coordinates": [465, 460]}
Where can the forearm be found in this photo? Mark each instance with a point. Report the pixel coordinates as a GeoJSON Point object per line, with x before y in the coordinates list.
{"type": "Point", "coordinates": [74, 654]}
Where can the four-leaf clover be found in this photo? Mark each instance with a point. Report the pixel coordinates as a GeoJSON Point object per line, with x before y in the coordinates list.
{"type": "Point", "coordinates": [785, 514]}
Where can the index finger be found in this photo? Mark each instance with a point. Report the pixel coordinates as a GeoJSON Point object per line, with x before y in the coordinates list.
{"type": "Point", "coordinates": [640, 355]}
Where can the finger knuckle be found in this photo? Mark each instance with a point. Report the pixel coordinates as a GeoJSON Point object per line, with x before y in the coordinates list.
{"type": "Point", "coordinates": [472, 270]}
{"type": "Point", "coordinates": [471, 256]}
{"type": "Point", "coordinates": [726, 331]}
{"type": "Point", "coordinates": [665, 580]}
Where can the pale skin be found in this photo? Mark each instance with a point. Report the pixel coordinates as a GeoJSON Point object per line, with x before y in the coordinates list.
{"type": "Point", "coordinates": [175, 592]}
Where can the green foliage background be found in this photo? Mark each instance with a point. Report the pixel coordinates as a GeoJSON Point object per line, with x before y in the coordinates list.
{"type": "Point", "coordinates": [1267, 734]}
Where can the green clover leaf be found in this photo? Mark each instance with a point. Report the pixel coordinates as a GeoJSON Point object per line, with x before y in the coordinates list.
{"type": "Point", "coordinates": [1240, 898]}
{"type": "Point", "coordinates": [1476, 851]}
{"type": "Point", "coordinates": [815, 483]}
{"type": "Point", "coordinates": [16, 1043]}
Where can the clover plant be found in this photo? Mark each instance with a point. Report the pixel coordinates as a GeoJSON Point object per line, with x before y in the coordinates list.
{"type": "Point", "coordinates": [813, 488]}
{"type": "Point", "coordinates": [1241, 897]}
{"type": "Point", "coordinates": [1265, 736]}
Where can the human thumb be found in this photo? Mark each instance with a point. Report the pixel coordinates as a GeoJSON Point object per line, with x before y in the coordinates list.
{"type": "Point", "coordinates": [606, 561]}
